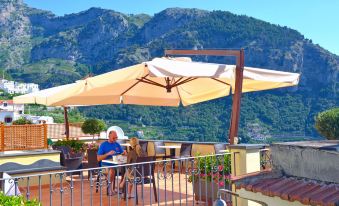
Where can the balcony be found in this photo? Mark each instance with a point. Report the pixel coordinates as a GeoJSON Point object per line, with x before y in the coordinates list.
{"type": "Point", "coordinates": [176, 181]}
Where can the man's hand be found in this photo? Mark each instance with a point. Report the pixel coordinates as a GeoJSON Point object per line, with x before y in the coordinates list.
{"type": "Point", "coordinates": [112, 152]}
{"type": "Point", "coordinates": [124, 152]}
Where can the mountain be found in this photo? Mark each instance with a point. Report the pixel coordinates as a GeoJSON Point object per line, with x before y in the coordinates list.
{"type": "Point", "coordinates": [38, 46]}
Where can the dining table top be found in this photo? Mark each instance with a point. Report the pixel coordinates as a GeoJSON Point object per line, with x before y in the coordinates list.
{"type": "Point", "coordinates": [125, 144]}
{"type": "Point", "coordinates": [169, 146]}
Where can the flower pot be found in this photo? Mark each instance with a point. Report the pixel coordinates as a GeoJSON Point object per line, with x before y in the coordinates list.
{"type": "Point", "coordinates": [204, 196]}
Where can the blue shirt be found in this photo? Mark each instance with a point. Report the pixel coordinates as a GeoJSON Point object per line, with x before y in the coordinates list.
{"type": "Point", "coordinates": [106, 147]}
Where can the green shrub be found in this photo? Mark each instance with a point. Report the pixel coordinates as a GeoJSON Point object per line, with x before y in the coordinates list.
{"type": "Point", "coordinates": [16, 201]}
{"type": "Point", "coordinates": [75, 145]}
{"type": "Point", "coordinates": [327, 123]}
{"type": "Point", "coordinates": [21, 121]}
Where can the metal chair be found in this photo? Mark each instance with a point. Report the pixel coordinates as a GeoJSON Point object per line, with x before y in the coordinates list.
{"type": "Point", "coordinates": [144, 174]}
{"type": "Point", "coordinates": [160, 152]}
{"type": "Point", "coordinates": [185, 151]}
{"type": "Point", "coordinates": [144, 146]}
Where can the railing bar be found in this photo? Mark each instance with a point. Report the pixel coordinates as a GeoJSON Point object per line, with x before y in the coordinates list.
{"type": "Point", "coordinates": [172, 179]}
{"type": "Point", "coordinates": [50, 190]}
{"type": "Point", "coordinates": [109, 187]}
{"type": "Point", "coordinates": [100, 187]}
{"type": "Point", "coordinates": [199, 174]}
{"type": "Point", "coordinates": [61, 190]}
{"type": "Point", "coordinates": [82, 188]}
{"type": "Point", "coordinates": [212, 178]}
{"type": "Point", "coordinates": [15, 186]}
{"type": "Point", "coordinates": [135, 184]}
{"type": "Point", "coordinates": [151, 173]}
{"type": "Point", "coordinates": [28, 191]}
{"type": "Point", "coordinates": [206, 200]}
{"type": "Point", "coordinates": [142, 184]}
{"type": "Point", "coordinates": [72, 189]}
{"type": "Point", "coordinates": [126, 187]}
{"type": "Point", "coordinates": [165, 177]}
{"type": "Point", "coordinates": [91, 187]}
{"type": "Point", "coordinates": [223, 173]}
{"type": "Point", "coordinates": [40, 188]}
{"type": "Point", "coordinates": [158, 193]}
{"type": "Point", "coordinates": [193, 173]}
{"type": "Point", "coordinates": [186, 181]}
{"type": "Point", "coordinates": [180, 162]}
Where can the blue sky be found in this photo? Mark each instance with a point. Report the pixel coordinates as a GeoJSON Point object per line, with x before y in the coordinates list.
{"type": "Point", "coordinates": [315, 19]}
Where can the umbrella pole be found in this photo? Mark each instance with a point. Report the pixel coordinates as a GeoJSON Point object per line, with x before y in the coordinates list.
{"type": "Point", "coordinates": [66, 123]}
{"type": "Point", "coordinates": [235, 116]}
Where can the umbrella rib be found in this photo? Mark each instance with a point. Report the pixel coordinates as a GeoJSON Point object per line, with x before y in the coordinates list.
{"type": "Point", "coordinates": [183, 81]}
{"type": "Point", "coordinates": [221, 81]}
{"type": "Point", "coordinates": [132, 85]}
{"type": "Point", "coordinates": [148, 81]}
{"type": "Point", "coordinates": [177, 80]}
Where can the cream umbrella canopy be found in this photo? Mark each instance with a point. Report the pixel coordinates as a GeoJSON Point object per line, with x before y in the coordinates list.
{"type": "Point", "coordinates": [169, 82]}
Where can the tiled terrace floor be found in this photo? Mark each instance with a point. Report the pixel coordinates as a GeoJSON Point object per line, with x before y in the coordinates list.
{"type": "Point", "coordinates": [166, 198]}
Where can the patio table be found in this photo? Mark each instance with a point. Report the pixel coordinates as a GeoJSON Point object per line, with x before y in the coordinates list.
{"type": "Point", "coordinates": [125, 144]}
{"type": "Point", "coordinates": [171, 148]}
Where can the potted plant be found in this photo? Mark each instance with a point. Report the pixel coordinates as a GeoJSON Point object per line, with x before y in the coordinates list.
{"type": "Point", "coordinates": [93, 126]}
{"type": "Point", "coordinates": [16, 201]}
{"type": "Point", "coordinates": [211, 171]}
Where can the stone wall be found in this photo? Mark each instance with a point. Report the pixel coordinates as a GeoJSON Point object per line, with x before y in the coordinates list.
{"type": "Point", "coordinates": [307, 159]}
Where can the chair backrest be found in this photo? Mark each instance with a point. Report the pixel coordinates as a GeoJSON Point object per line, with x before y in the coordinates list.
{"type": "Point", "coordinates": [218, 147]}
{"type": "Point", "coordinates": [145, 169]}
{"type": "Point", "coordinates": [92, 158]}
{"type": "Point", "coordinates": [65, 153]}
{"type": "Point", "coordinates": [144, 145]}
{"type": "Point", "coordinates": [186, 149]}
{"type": "Point", "coordinates": [158, 150]}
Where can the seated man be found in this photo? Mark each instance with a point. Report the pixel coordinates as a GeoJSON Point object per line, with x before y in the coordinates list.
{"type": "Point", "coordinates": [109, 148]}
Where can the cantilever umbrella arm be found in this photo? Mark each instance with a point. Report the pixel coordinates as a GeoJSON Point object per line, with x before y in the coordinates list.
{"type": "Point", "coordinates": [239, 54]}
{"type": "Point", "coordinates": [66, 122]}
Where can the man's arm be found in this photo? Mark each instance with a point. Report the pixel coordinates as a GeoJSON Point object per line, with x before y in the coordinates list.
{"type": "Point", "coordinates": [104, 156]}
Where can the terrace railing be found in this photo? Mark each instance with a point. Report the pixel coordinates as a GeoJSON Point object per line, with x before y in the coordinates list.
{"type": "Point", "coordinates": [181, 181]}
{"type": "Point", "coordinates": [23, 137]}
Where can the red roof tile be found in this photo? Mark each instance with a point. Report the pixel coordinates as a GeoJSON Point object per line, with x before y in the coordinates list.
{"type": "Point", "coordinates": [8, 101]}
{"type": "Point", "coordinates": [293, 189]}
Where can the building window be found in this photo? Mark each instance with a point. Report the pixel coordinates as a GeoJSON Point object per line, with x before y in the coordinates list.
{"type": "Point", "coordinates": [8, 119]}
{"type": "Point", "coordinates": [20, 112]}
{"type": "Point", "coordinates": [5, 104]}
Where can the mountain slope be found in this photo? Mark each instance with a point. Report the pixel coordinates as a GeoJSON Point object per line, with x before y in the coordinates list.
{"type": "Point", "coordinates": [50, 50]}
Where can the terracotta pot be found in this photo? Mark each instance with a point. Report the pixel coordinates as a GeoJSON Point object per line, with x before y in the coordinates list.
{"type": "Point", "coordinates": [201, 194]}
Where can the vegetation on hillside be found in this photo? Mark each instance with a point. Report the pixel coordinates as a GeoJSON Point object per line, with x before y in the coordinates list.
{"type": "Point", "coordinates": [60, 50]}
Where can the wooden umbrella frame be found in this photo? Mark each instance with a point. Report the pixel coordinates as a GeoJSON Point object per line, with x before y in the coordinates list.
{"type": "Point", "coordinates": [240, 59]}
{"type": "Point", "coordinates": [235, 116]}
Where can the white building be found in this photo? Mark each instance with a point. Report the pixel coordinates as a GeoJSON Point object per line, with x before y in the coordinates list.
{"type": "Point", "coordinates": [39, 119]}
{"type": "Point", "coordinates": [10, 112]}
{"type": "Point", "coordinates": [12, 87]}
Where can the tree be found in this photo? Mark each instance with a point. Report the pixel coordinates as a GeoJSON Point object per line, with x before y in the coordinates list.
{"type": "Point", "coordinates": [327, 123]}
{"type": "Point", "coordinates": [93, 126]}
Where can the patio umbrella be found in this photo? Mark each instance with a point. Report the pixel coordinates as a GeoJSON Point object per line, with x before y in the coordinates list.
{"type": "Point", "coordinates": [163, 82]}
{"type": "Point", "coordinates": [51, 95]}
{"type": "Point", "coordinates": [169, 82]}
